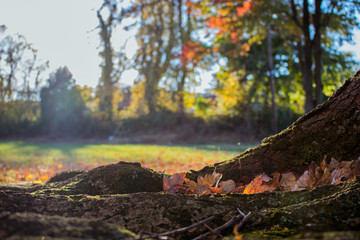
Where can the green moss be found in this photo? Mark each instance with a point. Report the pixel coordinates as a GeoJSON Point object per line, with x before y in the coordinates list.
{"type": "Point", "coordinates": [275, 232]}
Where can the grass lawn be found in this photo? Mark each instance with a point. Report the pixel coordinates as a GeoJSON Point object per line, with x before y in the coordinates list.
{"type": "Point", "coordinates": [28, 161]}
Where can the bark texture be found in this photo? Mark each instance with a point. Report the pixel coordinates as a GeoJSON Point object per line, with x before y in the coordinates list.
{"type": "Point", "coordinates": [331, 129]}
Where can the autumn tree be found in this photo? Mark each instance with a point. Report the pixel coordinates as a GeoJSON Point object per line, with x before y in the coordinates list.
{"type": "Point", "coordinates": [156, 22]}
{"type": "Point", "coordinates": [108, 78]}
{"type": "Point", "coordinates": [19, 66]}
{"type": "Point", "coordinates": [315, 19]}
{"type": "Point", "coordinates": [238, 31]}
{"type": "Point", "coordinates": [20, 78]}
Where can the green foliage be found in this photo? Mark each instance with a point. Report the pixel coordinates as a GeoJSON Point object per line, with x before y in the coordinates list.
{"type": "Point", "coordinates": [19, 118]}
{"type": "Point", "coordinates": [62, 107]}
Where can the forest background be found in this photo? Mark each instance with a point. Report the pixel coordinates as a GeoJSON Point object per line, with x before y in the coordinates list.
{"type": "Point", "coordinates": [276, 60]}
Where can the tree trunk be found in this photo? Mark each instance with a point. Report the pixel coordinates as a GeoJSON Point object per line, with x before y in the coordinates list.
{"type": "Point", "coordinates": [106, 80]}
{"type": "Point", "coordinates": [317, 53]}
{"type": "Point", "coordinates": [332, 129]}
{"type": "Point", "coordinates": [272, 80]}
{"type": "Point", "coordinates": [307, 77]}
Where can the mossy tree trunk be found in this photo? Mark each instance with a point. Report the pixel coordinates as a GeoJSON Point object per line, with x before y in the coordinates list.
{"type": "Point", "coordinates": [332, 129]}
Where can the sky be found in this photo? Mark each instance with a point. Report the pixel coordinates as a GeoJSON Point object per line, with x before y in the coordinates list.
{"type": "Point", "coordinates": [63, 32]}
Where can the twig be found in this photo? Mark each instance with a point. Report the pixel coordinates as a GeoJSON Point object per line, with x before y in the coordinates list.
{"type": "Point", "coordinates": [229, 223]}
{"type": "Point", "coordinates": [246, 217]}
{"type": "Point", "coordinates": [241, 212]}
{"type": "Point", "coordinates": [180, 230]}
{"type": "Point", "coordinates": [212, 230]}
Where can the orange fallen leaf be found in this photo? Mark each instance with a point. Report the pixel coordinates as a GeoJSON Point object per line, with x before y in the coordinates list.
{"type": "Point", "coordinates": [215, 190]}
{"type": "Point", "coordinates": [276, 180]}
{"type": "Point", "coordinates": [256, 186]}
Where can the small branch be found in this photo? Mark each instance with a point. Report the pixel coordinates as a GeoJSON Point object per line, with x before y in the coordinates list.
{"type": "Point", "coordinates": [212, 230]}
{"type": "Point", "coordinates": [246, 217]}
{"type": "Point", "coordinates": [180, 230]}
{"type": "Point", "coordinates": [229, 223]}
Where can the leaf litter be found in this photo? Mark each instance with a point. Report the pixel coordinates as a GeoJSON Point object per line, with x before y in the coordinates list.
{"type": "Point", "coordinates": [316, 175]}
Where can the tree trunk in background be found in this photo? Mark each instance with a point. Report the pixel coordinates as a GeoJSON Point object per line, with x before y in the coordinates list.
{"type": "Point", "coordinates": [106, 81]}
{"type": "Point", "coordinates": [157, 42]}
{"type": "Point", "coordinates": [272, 80]}
{"type": "Point", "coordinates": [307, 78]}
{"type": "Point", "coordinates": [318, 53]}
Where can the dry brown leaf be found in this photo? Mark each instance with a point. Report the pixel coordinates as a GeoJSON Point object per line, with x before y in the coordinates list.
{"type": "Point", "coordinates": [340, 173]}
{"type": "Point", "coordinates": [238, 189]}
{"type": "Point", "coordinates": [323, 164]}
{"type": "Point", "coordinates": [202, 189]}
{"type": "Point", "coordinates": [210, 179]}
{"type": "Point", "coordinates": [306, 181]}
{"type": "Point", "coordinates": [345, 164]}
{"type": "Point", "coordinates": [191, 185]}
{"type": "Point", "coordinates": [227, 186]}
{"type": "Point", "coordinates": [315, 171]}
{"type": "Point", "coordinates": [355, 168]}
{"type": "Point", "coordinates": [325, 178]}
{"type": "Point", "coordinates": [333, 164]}
{"type": "Point", "coordinates": [276, 180]}
{"type": "Point", "coordinates": [288, 181]}
{"type": "Point", "coordinates": [172, 184]}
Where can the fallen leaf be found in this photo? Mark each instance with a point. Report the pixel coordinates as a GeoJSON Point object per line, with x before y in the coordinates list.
{"type": "Point", "coordinates": [202, 189]}
{"type": "Point", "coordinates": [266, 178]}
{"type": "Point", "coordinates": [333, 164]}
{"type": "Point", "coordinates": [227, 186]}
{"type": "Point", "coordinates": [355, 168]}
{"type": "Point", "coordinates": [176, 180]}
{"type": "Point", "coordinates": [276, 180]}
{"type": "Point", "coordinates": [340, 173]}
{"type": "Point", "coordinates": [191, 185]}
{"type": "Point", "coordinates": [288, 181]}
{"type": "Point", "coordinates": [325, 178]}
{"type": "Point", "coordinates": [210, 179]}
{"type": "Point", "coordinates": [255, 186]}
{"type": "Point", "coordinates": [323, 164]}
{"type": "Point", "coordinates": [215, 190]}
{"type": "Point", "coordinates": [238, 189]}
{"type": "Point", "coordinates": [315, 171]}
{"type": "Point", "coordinates": [306, 181]}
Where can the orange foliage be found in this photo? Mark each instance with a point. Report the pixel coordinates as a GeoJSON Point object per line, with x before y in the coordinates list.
{"type": "Point", "coordinates": [242, 10]}
{"type": "Point", "coordinates": [192, 53]}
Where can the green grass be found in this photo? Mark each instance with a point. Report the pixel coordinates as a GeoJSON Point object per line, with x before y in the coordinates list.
{"type": "Point", "coordinates": [22, 154]}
